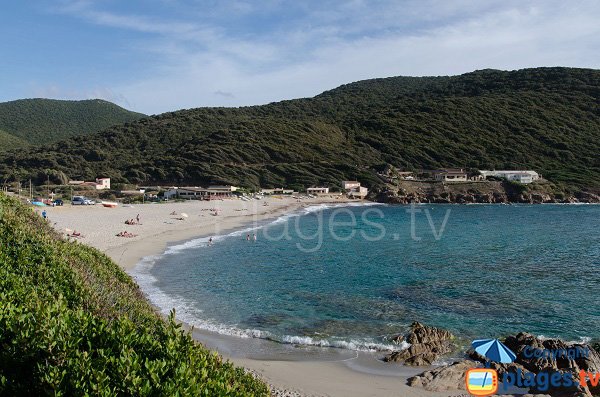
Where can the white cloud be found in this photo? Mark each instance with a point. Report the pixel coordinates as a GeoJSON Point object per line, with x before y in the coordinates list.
{"type": "Point", "coordinates": [333, 44]}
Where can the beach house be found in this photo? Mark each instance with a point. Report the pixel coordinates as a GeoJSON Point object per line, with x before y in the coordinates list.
{"type": "Point", "coordinates": [525, 176]}
{"type": "Point", "coordinates": [349, 185]}
{"type": "Point", "coordinates": [200, 193]}
{"type": "Point", "coordinates": [317, 190]}
{"type": "Point", "coordinates": [450, 175]}
{"type": "Point", "coordinates": [100, 184]}
{"type": "Point", "coordinates": [354, 190]}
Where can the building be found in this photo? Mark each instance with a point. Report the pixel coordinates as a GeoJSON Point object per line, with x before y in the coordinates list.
{"type": "Point", "coordinates": [349, 185]}
{"type": "Point", "coordinates": [100, 184]}
{"type": "Point", "coordinates": [223, 188]}
{"type": "Point", "coordinates": [360, 192]}
{"type": "Point", "coordinates": [317, 190]}
{"type": "Point", "coordinates": [277, 190]}
{"type": "Point", "coordinates": [524, 177]}
{"type": "Point", "coordinates": [450, 175]}
{"type": "Point", "coordinates": [354, 190]}
{"type": "Point", "coordinates": [199, 193]}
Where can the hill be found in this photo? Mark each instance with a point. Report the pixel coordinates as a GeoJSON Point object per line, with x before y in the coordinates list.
{"type": "Point", "coordinates": [42, 121]}
{"type": "Point", "coordinates": [546, 119]}
{"type": "Point", "coordinates": [72, 323]}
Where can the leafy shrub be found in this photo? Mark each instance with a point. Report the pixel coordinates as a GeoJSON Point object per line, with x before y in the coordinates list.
{"type": "Point", "coordinates": [72, 323]}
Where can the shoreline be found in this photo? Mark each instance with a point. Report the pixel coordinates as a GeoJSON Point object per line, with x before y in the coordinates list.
{"type": "Point", "coordinates": [307, 370]}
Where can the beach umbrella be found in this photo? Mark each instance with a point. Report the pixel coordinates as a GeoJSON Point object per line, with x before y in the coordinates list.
{"type": "Point", "coordinates": [494, 350]}
{"type": "Point", "coordinates": [183, 214]}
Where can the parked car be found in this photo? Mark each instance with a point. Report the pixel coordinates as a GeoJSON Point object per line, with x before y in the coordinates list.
{"type": "Point", "coordinates": [58, 202]}
{"type": "Point", "coordinates": [80, 200]}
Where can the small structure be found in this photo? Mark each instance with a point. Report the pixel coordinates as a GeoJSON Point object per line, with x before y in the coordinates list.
{"type": "Point", "coordinates": [524, 177]}
{"type": "Point", "coordinates": [349, 185]}
{"type": "Point", "coordinates": [277, 190]}
{"type": "Point", "coordinates": [222, 188]}
{"type": "Point", "coordinates": [406, 175]}
{"type": "Point", "coordinates": [100, 184]}
{"type": "Point", "coordinates": [317, 190]}
{"type": "Point", "coordinates": [361, 192]}
{"type": "Point", "coordinates": [450, 175]}
{"type": "Point", "coordinates": [354, 190]}
{"type": "Point", "coordinates": [199, 193]}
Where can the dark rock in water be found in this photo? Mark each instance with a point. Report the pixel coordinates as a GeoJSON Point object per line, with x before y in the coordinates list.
{"type": "Point", "coordinates": [426, 345]}
{"type": "Point", "coordinates": [447, 377]}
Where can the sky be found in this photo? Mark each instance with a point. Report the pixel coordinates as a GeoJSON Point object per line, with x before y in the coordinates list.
{"type": "Point", "coordinates": [155, 56]}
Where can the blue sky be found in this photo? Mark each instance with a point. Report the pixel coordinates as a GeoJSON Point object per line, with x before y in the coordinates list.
{"type": "Point", "coordinates": [161, 55]}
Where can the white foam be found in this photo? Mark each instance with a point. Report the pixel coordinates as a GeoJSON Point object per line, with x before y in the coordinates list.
{"type": "Point", "coordinates": [352, 344]}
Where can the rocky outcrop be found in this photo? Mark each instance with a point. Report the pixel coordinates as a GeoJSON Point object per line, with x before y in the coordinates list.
{"type": "Point", "coordinates": [489, 192]}
{"type": "Point", "coordinates": [427, 344]}
{"type": "Point", "coordinates": [447, 377]}
{"type": "Point", "coordinates": [532, 356]}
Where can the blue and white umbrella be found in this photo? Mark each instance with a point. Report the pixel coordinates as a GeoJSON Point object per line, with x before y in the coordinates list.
{"type": "Point", "coordinates": [494, 350]}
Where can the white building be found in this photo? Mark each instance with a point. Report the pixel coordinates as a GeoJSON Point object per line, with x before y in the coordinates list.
{"type": "Point", "coordinates": [524, 177]}
{"type": "Point", "coordinates": [360, 192]}
{"type": "Point", "coordinates": [223, 188]}
{"type": "Point", "coordinates": [102, 183]}
{"type": "Point", "coordinates": [317, 190]}
{"type": "Point", "coordinates": [349, 185]}
{"type": "Point", "coordinates": [353, 189]}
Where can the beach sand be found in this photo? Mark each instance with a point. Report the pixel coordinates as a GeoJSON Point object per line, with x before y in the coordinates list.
{"type": "Point", "coordinates": [332, 376]}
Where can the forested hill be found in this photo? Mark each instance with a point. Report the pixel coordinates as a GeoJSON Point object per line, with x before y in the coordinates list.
{"type": "Point", "coordinates": [42, 121]}
{"type": "Point", "coordinates": [546, 119]}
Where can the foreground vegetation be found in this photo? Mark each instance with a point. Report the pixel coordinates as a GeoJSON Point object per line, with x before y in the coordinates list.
{"type": "Point", "coordinates": [43, 121]}
{"type": "Point", "coordinates": [72, 323]}
{"type": "Point", "coordinates": [545, 119]}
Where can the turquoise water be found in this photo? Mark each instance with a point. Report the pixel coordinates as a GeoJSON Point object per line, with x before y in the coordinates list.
{"type": "Point", "coordinates": [493, 270]}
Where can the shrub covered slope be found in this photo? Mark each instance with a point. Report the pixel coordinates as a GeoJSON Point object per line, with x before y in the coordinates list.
{"type": "Point", "coordinates": [41, 121]}
{"type": "Point", "coordinates": [546, 119]}
{"type": "Point", "coordinates": [72, 323]}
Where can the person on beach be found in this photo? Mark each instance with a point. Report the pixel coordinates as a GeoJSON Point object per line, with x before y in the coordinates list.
{"type": "Point", "coordinates": [137, 218]}
{"type": "Point", "coordinates": [44, 215]}
{"type": "Point", "coordinates": [210, 241]}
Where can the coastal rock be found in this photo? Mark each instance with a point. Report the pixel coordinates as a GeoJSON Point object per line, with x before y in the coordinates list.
{"type": "Point", "coordinates": [427, 344]}
{"type": "Point", "coordinates": [524, 344]}
{"type": "Point", "coordinates": [447, 377]}
{"type": "Point", "coordinates": [588, 197]}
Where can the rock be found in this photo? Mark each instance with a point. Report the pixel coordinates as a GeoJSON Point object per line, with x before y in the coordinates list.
{"type": "Point", "coordinates": [588, 197]}
{"type": "Point", "coordinates": [427, 344]}
{"type": "Point", "coordinates": [447, 377]}
{"type": "Point", "coordinates": [524, 344]}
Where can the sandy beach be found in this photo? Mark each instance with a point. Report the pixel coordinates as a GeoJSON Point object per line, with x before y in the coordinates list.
{"type": "Point", "coordinates": [346, 374]}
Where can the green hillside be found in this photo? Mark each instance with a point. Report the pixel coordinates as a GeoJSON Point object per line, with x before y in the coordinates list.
{"type": "Point", "coordinates": [546, 119]}
{"type": "Point", "coordinates": [10, 141]}
{"type": "Point", "coordinates": [41, 121]}
{"type": "Point", "coordinates": [72, 323]}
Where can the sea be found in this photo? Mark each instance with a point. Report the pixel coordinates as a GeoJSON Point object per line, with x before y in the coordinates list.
{"type": "Point", "coordinates": [354, 276]}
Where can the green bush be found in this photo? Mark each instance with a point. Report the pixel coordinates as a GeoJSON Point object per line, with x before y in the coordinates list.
{"type": "Point", "coordinates": [72, 323]}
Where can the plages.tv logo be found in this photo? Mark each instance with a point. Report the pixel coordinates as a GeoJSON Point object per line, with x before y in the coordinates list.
{"type": "Point", "coordinates": [484, 381]}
